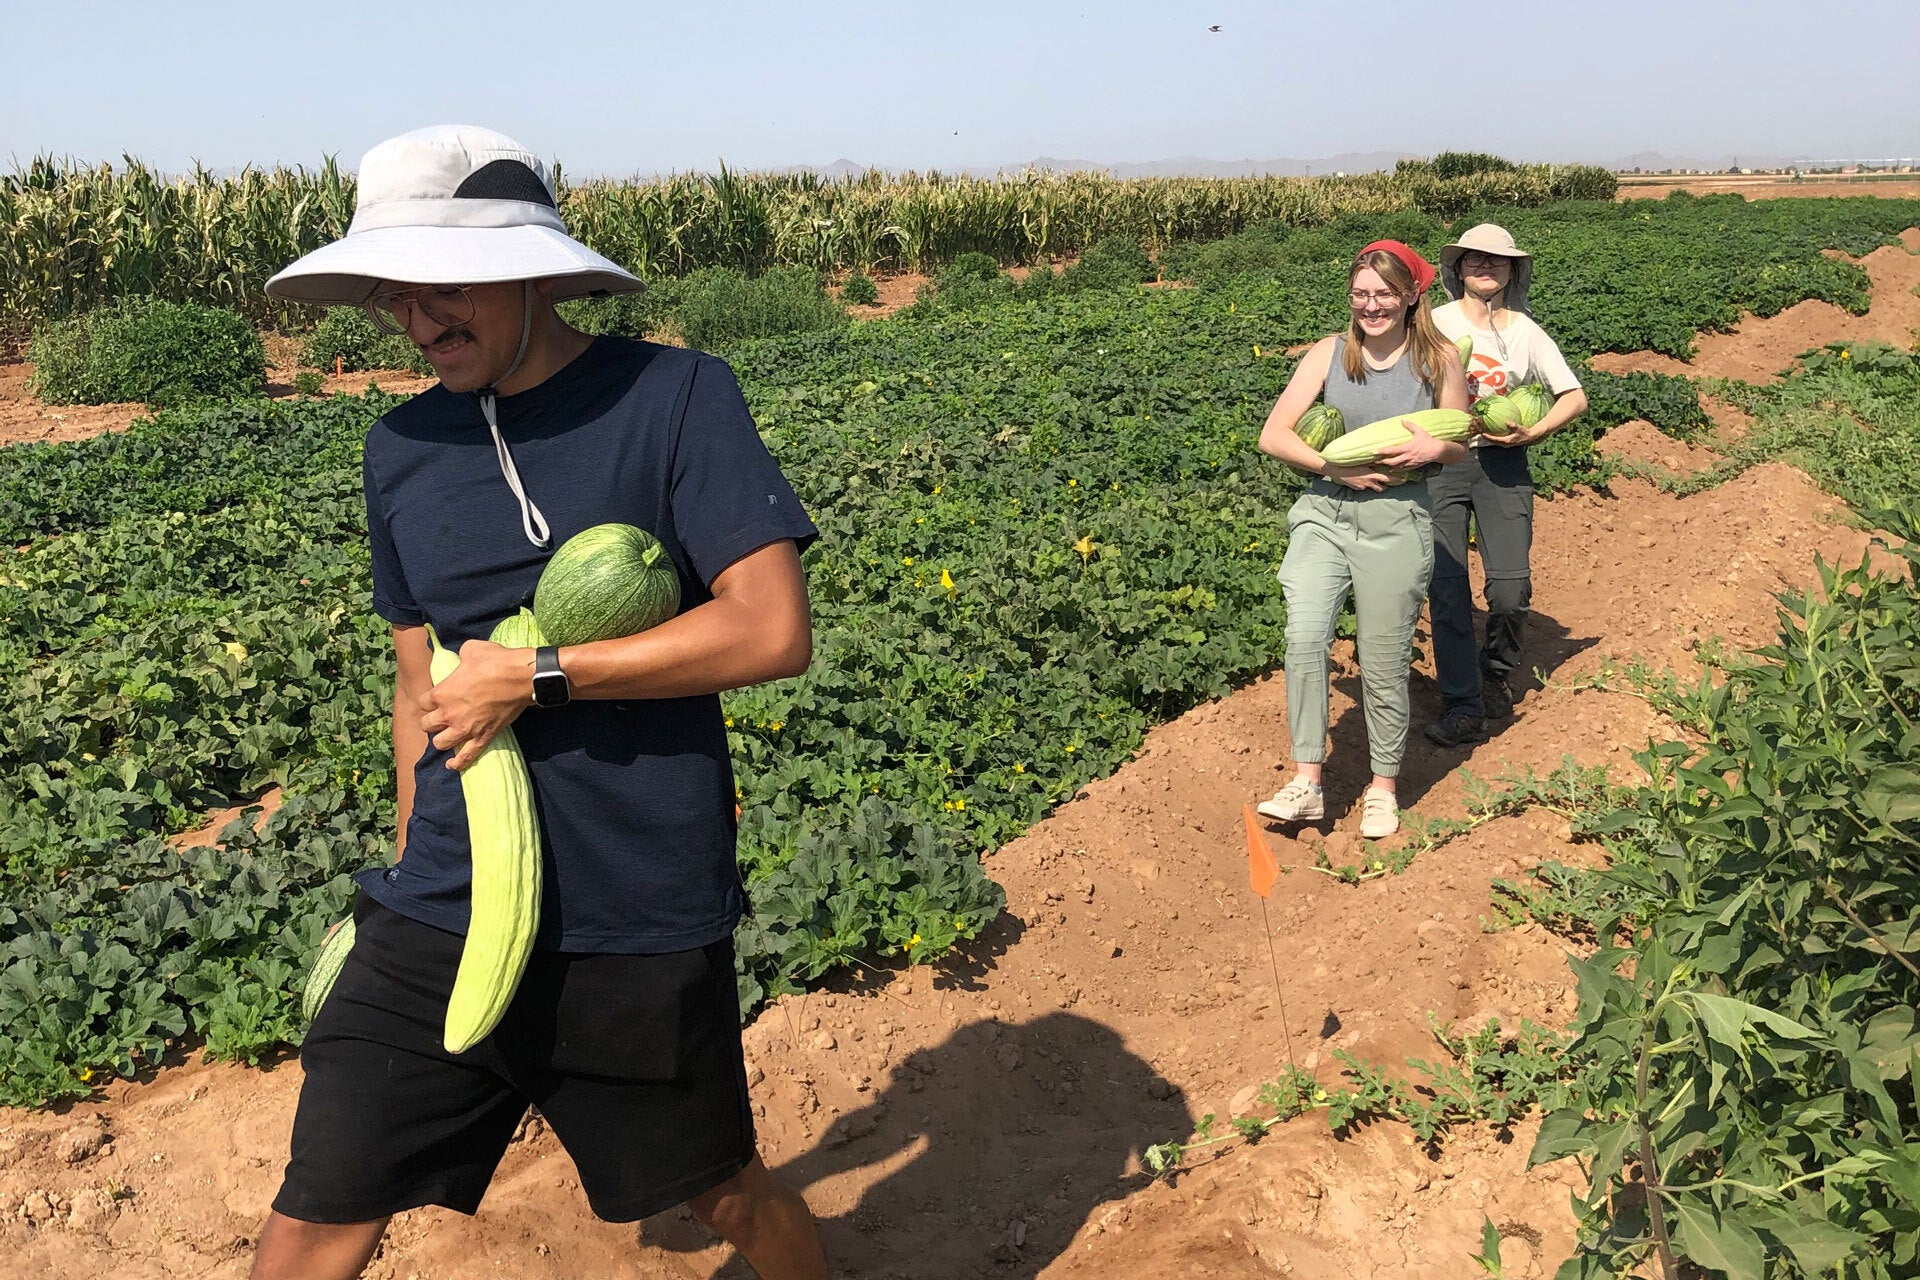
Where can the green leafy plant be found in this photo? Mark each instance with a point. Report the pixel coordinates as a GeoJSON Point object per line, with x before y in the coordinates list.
{"type": "Point", "coordinates": [1456, 164]}
{"type": "Point", "coordinates": [1489, 1076]}
{"type": "Point", "coordinates": [1488, 1259]}
{"type": "Point", "coordinates": [859, 290]}
{"type": "Point", "coordinates": [645, 314]}
{"type": "Point", "coordinates": [309, 382]}
{"type": "Point", "coordinates": [717, 305]}
{"type": "Point", "coordinates": [1112, 262]}
{"type": "Point", "coordinates": [347, 339]}
{"type": "Point", "coordinates": [1756, 964]}
{"type": "Point", "coordinates": [146, 350]}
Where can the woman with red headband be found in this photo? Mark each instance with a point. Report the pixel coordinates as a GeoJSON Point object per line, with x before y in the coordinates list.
{"type": "Point", "coordinates": [1354, 531]}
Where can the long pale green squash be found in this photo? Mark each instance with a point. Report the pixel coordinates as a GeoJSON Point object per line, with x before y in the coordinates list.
{"type": "Point", "coordinates": [326, 968]}
{"type": "Point", "coordinates": [1366, 444]}
{"type": "Point", "coordinates": [505, 841]}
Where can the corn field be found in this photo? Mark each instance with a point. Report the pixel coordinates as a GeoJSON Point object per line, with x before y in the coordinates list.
{"type": "Point", "coordinates": [72, 237]}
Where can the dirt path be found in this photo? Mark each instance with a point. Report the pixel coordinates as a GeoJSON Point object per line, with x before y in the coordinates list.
{"type": "Point", "coordinates": [1768, 186]}
{"type": "Point", "coordinates": [24, 420]}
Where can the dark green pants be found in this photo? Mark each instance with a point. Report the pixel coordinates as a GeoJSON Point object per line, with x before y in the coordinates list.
{"type": "Point", "coordinates": [1495, 485]}
{"type": "Point", "coordinates": [1380, 547]}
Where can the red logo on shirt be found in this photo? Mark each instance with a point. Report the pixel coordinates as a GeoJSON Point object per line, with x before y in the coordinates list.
{"type": "Point", "coordinates": [1488, 380]}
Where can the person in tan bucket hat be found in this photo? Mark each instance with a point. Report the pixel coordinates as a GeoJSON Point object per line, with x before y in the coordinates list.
{"type": "Point", "coordinates": [1488, 277]}
{"type": "Point", "coordinates": [624, 1029]}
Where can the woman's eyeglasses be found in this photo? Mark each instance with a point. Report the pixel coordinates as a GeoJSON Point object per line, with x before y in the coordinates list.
{"type": "Point", "coordinates": [1361, 299]}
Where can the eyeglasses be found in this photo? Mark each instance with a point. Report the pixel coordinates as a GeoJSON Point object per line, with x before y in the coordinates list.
{"type": "Point", "coordinates": [1389, 299]}
{"type": "Point", "coordinates": [1484, 261]}
{"type": "Point", "coordinates": [447, 304]}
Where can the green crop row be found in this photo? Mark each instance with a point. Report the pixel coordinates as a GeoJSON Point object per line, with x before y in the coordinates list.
{"type": "Point", "coordinates": [1639, 275]}
{"type": "Point", "coordinates": [73, 237]}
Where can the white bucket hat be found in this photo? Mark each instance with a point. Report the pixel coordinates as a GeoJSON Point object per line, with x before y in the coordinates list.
{"type": "Point", "coordinates": [1493, 239]}
{"type": "Point", "coordinates": [451, 204]}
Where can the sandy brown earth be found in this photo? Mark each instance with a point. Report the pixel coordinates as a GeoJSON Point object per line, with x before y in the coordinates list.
{"type": "Point", "coordinates": [1758, 350]}
{"type": "Point", "coordinates": [1762, 186]}
{"type": "Point", "coordinates": [24, 420]}
{"type": "Point", "coordinates": [988, 1119]}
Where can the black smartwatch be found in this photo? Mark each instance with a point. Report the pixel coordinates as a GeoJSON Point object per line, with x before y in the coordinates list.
{"type": "Point", "coordinates": [550, 687]}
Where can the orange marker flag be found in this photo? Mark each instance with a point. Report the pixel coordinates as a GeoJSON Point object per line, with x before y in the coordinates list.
{"type": "Point", "coordinates": [1262, 870]}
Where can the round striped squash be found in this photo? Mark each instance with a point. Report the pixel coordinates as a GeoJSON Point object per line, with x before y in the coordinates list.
{"type": "Point", "coordinates": [605, 582]}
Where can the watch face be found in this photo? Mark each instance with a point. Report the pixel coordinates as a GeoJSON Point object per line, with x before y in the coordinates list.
{"type": "Point", "coordinates": [550, 687]}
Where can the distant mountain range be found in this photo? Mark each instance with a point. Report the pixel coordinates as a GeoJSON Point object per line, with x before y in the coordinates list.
{"type": "Point", "coordinates": [1348, 162]}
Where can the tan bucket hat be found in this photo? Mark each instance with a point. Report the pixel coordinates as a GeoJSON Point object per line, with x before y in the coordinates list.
{"type": "Point", "coordinates": [1489, 238]}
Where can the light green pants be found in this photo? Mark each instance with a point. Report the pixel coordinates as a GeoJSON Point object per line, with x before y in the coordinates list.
{"type": "Point", "coordinates": [1379, 546]}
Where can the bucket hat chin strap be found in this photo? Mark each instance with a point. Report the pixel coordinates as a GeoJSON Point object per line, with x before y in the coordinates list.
{"type": "Point", "coordinates": [531, 521]}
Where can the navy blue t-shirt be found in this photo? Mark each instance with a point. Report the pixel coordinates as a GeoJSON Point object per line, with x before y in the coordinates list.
{"type": "Point", "coordinates": [635, 798]}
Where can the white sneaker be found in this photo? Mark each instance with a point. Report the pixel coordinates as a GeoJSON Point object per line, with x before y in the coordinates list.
{"type": "Point", "coordinates": [1379, 814]}
{"type": "Point", "coordinates": [1298, 801]}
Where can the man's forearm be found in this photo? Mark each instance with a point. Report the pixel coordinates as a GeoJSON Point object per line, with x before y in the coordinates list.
{"type": "Point", "coordinates": [756, 628]}
{"type": "Point", "coordinates": [723, 644]}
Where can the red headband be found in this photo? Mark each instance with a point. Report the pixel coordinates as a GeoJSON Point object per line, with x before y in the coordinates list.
{"type": "Point", "coordinates": [1418, 267]}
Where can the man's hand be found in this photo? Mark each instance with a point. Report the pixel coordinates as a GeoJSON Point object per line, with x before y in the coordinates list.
{"type": "Point", "coordinates": [1418, 452]}
{"type": "Point", "coordinates": [491, 686]}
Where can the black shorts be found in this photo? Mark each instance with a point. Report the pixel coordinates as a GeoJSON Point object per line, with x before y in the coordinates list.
{"type": "Point", "coordinates": [633, 1060]}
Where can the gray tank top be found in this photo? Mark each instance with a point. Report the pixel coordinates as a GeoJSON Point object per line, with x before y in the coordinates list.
{"type": "Point", "coordinates": [1386, 392]}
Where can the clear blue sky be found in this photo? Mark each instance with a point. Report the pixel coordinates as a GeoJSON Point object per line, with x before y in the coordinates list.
{"type": "Point", "coordinates": [616, 89]}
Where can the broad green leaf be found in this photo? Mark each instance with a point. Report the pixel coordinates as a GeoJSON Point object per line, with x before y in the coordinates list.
{"type": "Point", "coordinates": [1892, 794]}
{"type": "Point", "coordinates": [1702, 1234]}
{"type": "Point", "coordinates": [1724, 1018]}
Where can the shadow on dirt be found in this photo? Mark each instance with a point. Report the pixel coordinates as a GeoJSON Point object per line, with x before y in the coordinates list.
{"type": "Point", "coordinates": [1548, 645]}
{"type": "Point", "coordinates": [1022, 1132]}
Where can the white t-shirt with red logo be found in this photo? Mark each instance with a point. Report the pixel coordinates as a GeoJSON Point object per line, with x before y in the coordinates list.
{"type": "Point", "coordinates": [1521, 352]}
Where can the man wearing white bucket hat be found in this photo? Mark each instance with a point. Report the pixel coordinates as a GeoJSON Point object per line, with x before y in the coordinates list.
{"type": "Point", "coordinates": [625, 1029]}
{"type": "Point", "coordinates": [1488, 275]}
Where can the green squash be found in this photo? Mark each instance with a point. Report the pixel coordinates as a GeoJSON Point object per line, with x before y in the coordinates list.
{"type": "Point", "coordinates": [605, 582]}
